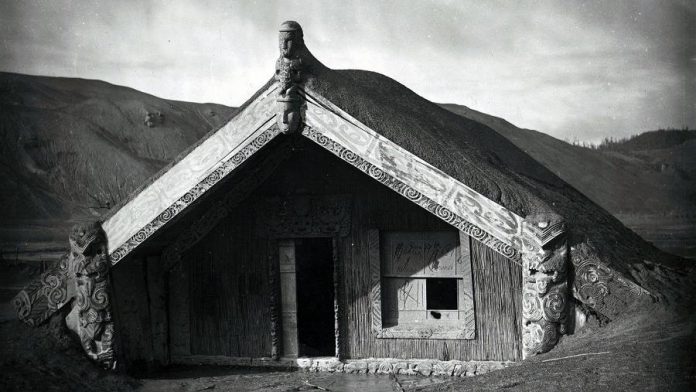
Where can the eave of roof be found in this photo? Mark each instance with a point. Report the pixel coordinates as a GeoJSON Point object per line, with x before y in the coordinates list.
{"type": "Point", "coordinates": [224, 150]}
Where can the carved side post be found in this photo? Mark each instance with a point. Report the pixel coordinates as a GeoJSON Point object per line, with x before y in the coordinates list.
{"type": "Point", "coordinates": [90, 317]}
{"type": "Point", "coordinates": [545, 283]}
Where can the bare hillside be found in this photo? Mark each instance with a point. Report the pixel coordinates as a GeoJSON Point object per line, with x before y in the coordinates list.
{"type": "Point", "coordinates": [648, 182]}
{"type": "Point", "coordinates": [71, 148]}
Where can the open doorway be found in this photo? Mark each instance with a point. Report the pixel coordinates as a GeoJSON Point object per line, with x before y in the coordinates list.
{"type": "Point", "coordinates": [315, 297]}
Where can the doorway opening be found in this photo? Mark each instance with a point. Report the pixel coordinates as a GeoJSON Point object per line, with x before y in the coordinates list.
{"type": "Point", "coordinates": [315, 296]}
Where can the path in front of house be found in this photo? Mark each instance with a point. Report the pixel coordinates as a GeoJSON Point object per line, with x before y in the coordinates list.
{"type": "Point", "coordinates": [652, 350]}
{"type": "Point", "coordinates": [192, 379]}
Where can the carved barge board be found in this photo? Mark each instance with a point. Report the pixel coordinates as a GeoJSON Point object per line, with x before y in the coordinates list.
{"type": "Point", "coordinates": [415, 179]}
{"type": "Point", "coordinates": [183, 183]}
{"type": "Point", "coordinates": [334, 129]}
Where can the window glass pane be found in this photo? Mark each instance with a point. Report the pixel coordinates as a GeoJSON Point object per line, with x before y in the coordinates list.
{"type": "Point", "coordinates": [441, 294]}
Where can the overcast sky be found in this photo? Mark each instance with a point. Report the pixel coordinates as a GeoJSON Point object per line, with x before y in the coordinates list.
{"type": "Point", "coordinates": [572, 69]}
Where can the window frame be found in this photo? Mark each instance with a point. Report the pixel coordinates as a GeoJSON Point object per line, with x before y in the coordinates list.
{"type": "Point", "coordinates": [464, 330]}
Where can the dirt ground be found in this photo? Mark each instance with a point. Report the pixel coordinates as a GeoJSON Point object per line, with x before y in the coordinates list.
{"type": "Point", "coordinates": [650, 351]}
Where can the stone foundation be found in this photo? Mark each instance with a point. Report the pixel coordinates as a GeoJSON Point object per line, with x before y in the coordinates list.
{"type": "Point", "coordinates": [423, 367]}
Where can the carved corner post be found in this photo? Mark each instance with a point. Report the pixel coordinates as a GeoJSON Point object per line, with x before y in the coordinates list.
{"type": "Point", "coordinates": [80, 279]}
{"type": "Point", "coordinates": [90, 317]}
{"type": "Point", "coordinates": [289, 73]}
{"type": "Point", "coordinates": [545, 293]}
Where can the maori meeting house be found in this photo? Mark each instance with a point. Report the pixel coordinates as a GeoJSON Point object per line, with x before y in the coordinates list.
{"type": "Point", "coordinates": [341, 222]}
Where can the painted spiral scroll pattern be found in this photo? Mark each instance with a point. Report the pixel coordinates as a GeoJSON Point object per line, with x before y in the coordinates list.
{"type": "Point", "coordinates": [539, 337]}
{"type": "Point", "coordinates": [192, 195]}
{"type": "Point", "coordinates": [444, 213]}
{"type": "Point", "coordinates": [22, 304]}
{"type": "Point", "coordinates": [376, 173]}
{"type": "Point", "coordinates": [531, 306]}
{"type": "Point", "coordinates": [42, 297]}
{"type": "Point", "coordinates": [600, 287]}
{"type": "Point", "coordinates": [555, 304]}
{"type": "Point", "coordinates": [408, 192]}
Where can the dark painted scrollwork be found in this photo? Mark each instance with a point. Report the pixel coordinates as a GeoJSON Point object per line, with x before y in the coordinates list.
{"type": "Point", "coordinates": [44, 296]}
{"type": "Point", "coordinates": [304, 216]}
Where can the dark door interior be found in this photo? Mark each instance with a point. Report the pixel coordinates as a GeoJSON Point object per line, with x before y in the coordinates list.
{"type": "Point", "coordinates": [315, 296]}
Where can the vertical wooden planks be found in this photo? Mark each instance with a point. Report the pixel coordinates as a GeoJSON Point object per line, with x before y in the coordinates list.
{"type": "Point", "coordinates": [229, 290]}
{"type": "Point", "coordinates": [179, 314]}
{"type": "Point", "coordinates": [131, 304]}
{"type": "Point", "coordinates": [157, 296]}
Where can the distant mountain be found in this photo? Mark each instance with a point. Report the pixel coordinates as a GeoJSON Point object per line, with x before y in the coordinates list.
{"type": "Point", "coordinates": [71, 148]}
{"type": "Point", "coordinates": [647, 181]}
{"type": "Point", "coordinates": [653, 140]}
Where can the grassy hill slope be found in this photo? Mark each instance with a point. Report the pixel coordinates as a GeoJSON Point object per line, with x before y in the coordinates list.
{"type": "Point", "coordinates": [648, 182]}
{"type": "Point", "coordinates": [71, 148]}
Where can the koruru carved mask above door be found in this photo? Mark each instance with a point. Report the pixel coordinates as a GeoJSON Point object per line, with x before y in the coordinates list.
{"type": "Point", "coordinates": [304, 216]}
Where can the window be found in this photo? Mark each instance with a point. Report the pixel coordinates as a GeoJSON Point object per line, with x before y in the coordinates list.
{"type": "Point", "coordinates": [440, 294]}
{"type": "Point", "coordinates": [421, 285]}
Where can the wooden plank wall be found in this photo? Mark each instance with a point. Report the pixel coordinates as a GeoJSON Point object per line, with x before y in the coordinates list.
{"type": "Point", "coordinates": [132, 313]}
{"type": "Point", "coordinates": [229, 293]}
{"type": "Point", "coordinates": [497, 290]}
{"type": "Point", "coordinates": [227, 309]}
{"type": "Point", "coordinates": [179, 312]}
{"type": "Point", "coordinates": [157, 300]}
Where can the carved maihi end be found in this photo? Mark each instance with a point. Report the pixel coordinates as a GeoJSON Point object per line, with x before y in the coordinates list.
{"type": "Point", "coordinates": [79, 280]}
{"type": "Point", "coordinates": [290, 73]}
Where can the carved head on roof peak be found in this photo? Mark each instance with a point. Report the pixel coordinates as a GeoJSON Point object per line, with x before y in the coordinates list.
{"type": "Point", "coordinates": [290, 39]}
